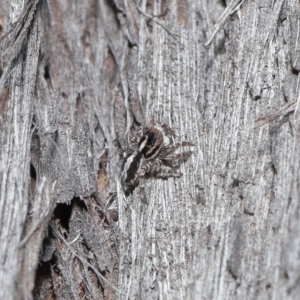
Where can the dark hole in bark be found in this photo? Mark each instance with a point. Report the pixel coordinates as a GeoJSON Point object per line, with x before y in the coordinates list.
{"type": "Point", "coordinates": [47, 76]}
{"type": "Point", "coordinates": [33, 179]}
{"type": "Point", "coordinates": [63, 213]}
{"type": "Point", "coordinates": [44, 273]}
{"type": "Point", "coordinates": [77, 201]}
{"type": "Point", "coordinates": [32, 172]}
{"type": "Point", "coordinates": [223, 3]}
{"type": "Point", "coordinates": [47, 72]}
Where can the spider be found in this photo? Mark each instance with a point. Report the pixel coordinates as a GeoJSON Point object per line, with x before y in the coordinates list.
{"type": "Point", "coordinates": [154, 157]}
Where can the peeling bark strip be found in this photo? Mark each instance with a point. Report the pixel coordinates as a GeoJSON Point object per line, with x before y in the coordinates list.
{"type": "Point", "coordinates": [78, 78]}
{"type": "Point", "coordinates": [21, 62]}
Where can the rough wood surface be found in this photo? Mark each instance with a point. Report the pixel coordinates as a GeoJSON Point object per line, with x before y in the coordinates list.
{"type": "Point", "coordinates": [77, 77]}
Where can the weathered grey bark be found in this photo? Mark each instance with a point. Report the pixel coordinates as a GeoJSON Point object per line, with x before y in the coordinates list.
{"type": "Point", "coordinates": [77, 77]}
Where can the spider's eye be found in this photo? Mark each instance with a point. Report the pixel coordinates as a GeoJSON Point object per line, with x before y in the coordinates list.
{"type": "Point", "coordinates": [150, 135]}
{"type": "Point", "coordinates": [151, 138]}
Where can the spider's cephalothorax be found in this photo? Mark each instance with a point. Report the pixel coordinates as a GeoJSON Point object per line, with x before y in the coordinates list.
{"type": "Point", "coordinates": [154, 157]}
{"type": "Point", "coordinates": [151, 143]}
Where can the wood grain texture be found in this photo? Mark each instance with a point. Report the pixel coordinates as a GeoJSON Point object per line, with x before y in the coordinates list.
{"type": "Point", "coordinates": [77, 78]}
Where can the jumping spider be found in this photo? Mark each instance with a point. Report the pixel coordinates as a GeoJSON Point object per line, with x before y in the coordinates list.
{"type": "Point", "coordinates": [154, 156]}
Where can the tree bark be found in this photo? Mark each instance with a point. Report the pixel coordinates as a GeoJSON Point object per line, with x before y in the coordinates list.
{"type": "Point", "coordinates": [78, 78]}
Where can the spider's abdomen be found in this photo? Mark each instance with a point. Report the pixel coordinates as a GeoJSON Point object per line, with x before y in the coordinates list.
{"type": "Point", "coordinates": [129, 175]}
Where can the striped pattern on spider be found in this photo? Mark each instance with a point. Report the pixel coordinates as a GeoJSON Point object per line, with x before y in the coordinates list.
{"type": "Point", "coordinates": [154, 156]}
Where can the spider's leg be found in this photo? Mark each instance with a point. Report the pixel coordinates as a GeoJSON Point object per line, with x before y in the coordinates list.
{"type": "Point", "coordinates": [155, 169]}
{"type": "Point", "coordinates": [150, 168]}
{"type": "Point", "coordinates": [168, 130]}
{"type": "Point", "coordinates": [165, 173]}
{"type": "Point", "coordinates": [143, 172]}
{"type": "Point", "coordinates": [175, 160]}
{"type": "Point", "coordinates": [136, 136]}
{"type": "Point", "coordinates": [171, 148]}
{"type": "Point", "coordinates": [143, 192]}
{"type": "Point", "coordinates": [145, 169]}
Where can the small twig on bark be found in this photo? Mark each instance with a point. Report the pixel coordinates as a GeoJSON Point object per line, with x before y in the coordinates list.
{"type": "Point", "coordinates": [284, 111]}
{"type": "Point", "coordinates": [175, 35]}
{"type": "Point", "coordinates": [222, 20]}
{"type": "Point", "coordinates": [83, 261]}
